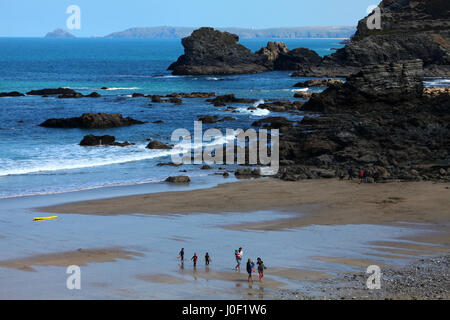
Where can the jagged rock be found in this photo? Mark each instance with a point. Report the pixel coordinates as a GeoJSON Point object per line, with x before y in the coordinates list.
{"type": "Point", "coordinates": [374, 83]}
{"type": "Point", "coordinates": [272, 52]}
{"type": "Point", "coordinates": [296, 58]}
{"type": "Point", "coordinates": [91, 121]}
{"type": "Point", "coordinates": [409, 30]}
{"type": "Point", "coordinates": [211, 52]}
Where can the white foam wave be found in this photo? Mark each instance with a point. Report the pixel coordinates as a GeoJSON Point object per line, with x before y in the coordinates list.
{"type": "Point", "coordinates": [300, 90]}
{"type": "Point", "coordinates": [122, 88]}
{"type": "Point", "coordinates": [71, 157]}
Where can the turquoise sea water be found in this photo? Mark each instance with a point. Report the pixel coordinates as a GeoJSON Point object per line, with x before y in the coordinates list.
{"type": "Point", "coordinates": [36, 160]}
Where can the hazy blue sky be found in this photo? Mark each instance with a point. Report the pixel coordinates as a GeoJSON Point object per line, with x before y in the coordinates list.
{"type": "Point", "coordinates": [101, 17]}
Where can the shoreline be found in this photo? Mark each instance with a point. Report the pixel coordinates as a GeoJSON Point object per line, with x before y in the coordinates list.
{"type": "Point", "coordinates": [310, 202]}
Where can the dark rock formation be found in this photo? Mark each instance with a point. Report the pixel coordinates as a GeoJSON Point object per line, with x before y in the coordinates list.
{"type": "Point", "coordinates": [192, 95]}
{"type": "Point", "coordinates": [296, 58]}
{"type": "Point", "coordinates": [106, 140]}
{"type": "Point", "coordinates": [49, 92]}
{"type": "Point", "coordinates": [319, 83]}
{"type": "Point", "coordinates": [178, 179]}
{"type": "Point", "coordinates": [387, 83]}
{"type": "Point", "coordinates": [378, 121]}
{"type": "Point", "coordinates": [221, 101]}
{"type": "Point", "coordinates": [155, 144]}
{"type": "Point", "coordinates": [280, 123]}
{"type": "Point", "coordinates": [211, 52]}
{"type": "Point", "coordinates": [11, 94]}
{"type": "Point", "coordinates": [91, 121]}
{"type": "Point", "coordinates": [93, 95]}
{"type": "Point", "coordinates": [281, 106]}
{"type": "Point", "coordinates": [70, 95]}
{"type": "Point", "coordinates": [208, 119]}
{"type": "Point", "coordinates": [409, 30]}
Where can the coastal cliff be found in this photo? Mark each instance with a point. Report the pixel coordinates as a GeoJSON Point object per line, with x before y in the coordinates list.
{"type": "Point", "coordinates": [409, 30]}
{"type": "Point", "coordinates": [380, 120]}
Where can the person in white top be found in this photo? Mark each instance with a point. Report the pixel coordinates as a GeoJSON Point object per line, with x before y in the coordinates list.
{"type": "Point", "coordinates": [239, 255]}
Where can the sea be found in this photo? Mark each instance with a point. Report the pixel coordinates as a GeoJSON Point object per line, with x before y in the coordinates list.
{"type": "Point", "coordinates": [36, 160]}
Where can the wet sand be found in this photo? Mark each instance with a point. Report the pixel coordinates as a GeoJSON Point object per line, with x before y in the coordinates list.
{"type": "Point", "coordinates": [79, 257]}
{"type": "Point", "coordinates": [317, 202]}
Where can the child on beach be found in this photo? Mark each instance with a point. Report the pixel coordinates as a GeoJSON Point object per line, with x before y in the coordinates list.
{"type": "Point", "coordinates": [181, 255]}
{"type": "Point", "coordinates": [238, 254]}
{"type": "Point", "coordinates": [250, 266]}
{"type": "Point", "coordinates": [194, 258]}
{"type": "Point", "coordinates": [207, 259]}
{"type": "Point", "coordinates": [261, 268]}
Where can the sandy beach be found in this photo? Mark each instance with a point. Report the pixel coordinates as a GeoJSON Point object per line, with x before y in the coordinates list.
{"type": "Point", "coordinates": [320, 202]}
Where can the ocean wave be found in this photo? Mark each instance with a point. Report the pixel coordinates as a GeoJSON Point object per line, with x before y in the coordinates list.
{"type": "Point", "coordinates": [255, 112]}
{"type": "Point", "coordinates": [73, 158]}
{"type": "Point", "coordinates": [122, 88]}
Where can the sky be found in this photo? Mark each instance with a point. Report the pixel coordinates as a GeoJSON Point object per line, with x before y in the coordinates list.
{"type": "Point", "coordinates": [34, 18]}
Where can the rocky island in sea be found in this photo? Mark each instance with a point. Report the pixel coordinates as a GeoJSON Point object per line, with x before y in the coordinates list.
{"type": "Point", "coordinates": [59, 34]}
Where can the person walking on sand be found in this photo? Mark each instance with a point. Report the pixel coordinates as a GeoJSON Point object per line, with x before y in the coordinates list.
{"type": "Point", "coordinates": [350, 173]}
{"type": "Point", "coordinates": [250, 266]}
{"type": "Point", "coordinates": [194, 259]}
{"type": "Point", "coordinates": [238, 254]}
{"type": "Point", "coordinates": [181, 255]}
{"type": "Point", "coordinates": [207, 259]}
{"type": "Point", "coordinates": [361, 176]}
{"type": "Point", "coordinates": [261, 268]}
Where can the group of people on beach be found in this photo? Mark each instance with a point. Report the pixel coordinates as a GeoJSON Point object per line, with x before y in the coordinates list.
{"type": "Point", "coordinates": [351, 175]}
{"type": "Point", "coordinates": [239, 254]}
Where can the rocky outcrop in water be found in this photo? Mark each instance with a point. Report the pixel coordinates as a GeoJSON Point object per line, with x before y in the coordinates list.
{"type": "Point", "coordinates": [106, 140]}
{"type": "Point", "coordinates": [155, 144]}
{"type": "Point", "coordinates": [320, 83]}
{"type": "Point", "coordinates": [52, 91]}
{"type": "Point", "coordinates": [91, 121]}
{"type": "Point", "coordinates": [59, 33]}
{"type": "Point", "coordinates": [11, 94]}
{"type": "Point", "coordinates": [211, 52]}
{"type": "Point", "coordinates": [410, 29]}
